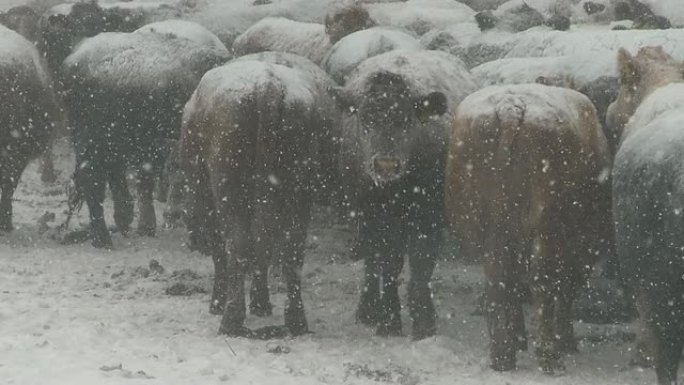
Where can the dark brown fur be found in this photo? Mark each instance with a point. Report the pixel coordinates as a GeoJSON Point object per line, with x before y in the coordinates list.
{"type": "Point", "coordinates": [252, 168]}
{"type": "Point", "coordinates": [345, 21]}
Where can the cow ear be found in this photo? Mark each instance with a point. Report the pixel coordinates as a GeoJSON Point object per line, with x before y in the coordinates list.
{"type": "Point", "coordinates": [343, 99]}
{"type": "Point", "coordinates": [627, 67]}
{"type": "Point", "coordinates": [434, 104]}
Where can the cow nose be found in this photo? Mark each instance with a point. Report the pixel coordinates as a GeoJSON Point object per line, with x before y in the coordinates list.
{"type": "Point", "coordinates": [386, 165]}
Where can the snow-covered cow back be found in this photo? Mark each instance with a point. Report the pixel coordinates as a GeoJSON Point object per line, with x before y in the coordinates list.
{"type": "Point", "coordinates": [353, 49]}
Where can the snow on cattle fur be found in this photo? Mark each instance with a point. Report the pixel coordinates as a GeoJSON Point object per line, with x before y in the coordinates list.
{"type": "Point", "coordinates": [284, 35]}
{"type": "Point", "coordinates": [539, 43]}
{"type": "Point", "coordinates": [354, 48]}
{"type": "Point", "coordinates": [527, 172]}
{"type": "Point", "coordinates": [424, 70]}
{"type": "Point", "coordinates": [132, 87]}
{"type": "Point", "coordinates": [392, 158]}
{"type": "Point", "coordinates": [582, 69]}
{"type": "Point", "coordinates": [29, 113]}
{"type": "Point", "coordinates": [251, 148]}
{"type": "Point", "coordinates": [420, 16]}
{"type": "Point", "coordinates": [141, 61]}
{"type": "Point", "coordinates": [185, 29]}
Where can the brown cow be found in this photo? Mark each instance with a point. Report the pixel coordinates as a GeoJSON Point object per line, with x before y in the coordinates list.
{"type": "Point", "coordinates": [251, 148]}
{"type": "Point", "coordinates": [647, 194]}
{"type": "Point", "coordinates": [527, 188]}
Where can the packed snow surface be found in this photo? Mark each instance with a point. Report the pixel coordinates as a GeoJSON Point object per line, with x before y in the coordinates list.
{"type": "Point", "coordinates": [80, 315]}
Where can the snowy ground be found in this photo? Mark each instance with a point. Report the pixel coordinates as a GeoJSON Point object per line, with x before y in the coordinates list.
{"type": "Point", "coordinates": [79, 315]}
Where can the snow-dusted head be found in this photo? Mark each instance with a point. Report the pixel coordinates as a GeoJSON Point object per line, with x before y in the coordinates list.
{"type": "Point", "coordinates": [386, 119]}
{"type": "Point", "coordinates": [640, 75]}
{"type": "Point", "coordinates": [62, 31]}
{"type": "Point", "coordinates": [23, 20]}
{"type": "Point", "coordinates": [341, 21]}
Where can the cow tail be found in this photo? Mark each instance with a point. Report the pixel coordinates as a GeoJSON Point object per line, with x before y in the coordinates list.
{"type": "Point", "coordinates": [510, 113]}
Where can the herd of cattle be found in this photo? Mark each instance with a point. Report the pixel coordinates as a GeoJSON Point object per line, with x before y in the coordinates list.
{"type": "Point", "coordinates": [539, 180]}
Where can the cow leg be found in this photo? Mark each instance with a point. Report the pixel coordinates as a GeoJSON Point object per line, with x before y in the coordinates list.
{"type": "Point", "coordinates": [147, 221]}
{"type": "Point", "coordinates": [264, 227]}
{"type": "Point", "coordinates": [661, 305]}
{"type": "Point", "coordinates": [643, 355]}
{"type": "Point", "coordinates": [389, 322]}
{"type": "Point", "coordinates": [564, 331]}
{"type": "Point", "coordinates": [293, 261]}
{"type": "Point", "coordinates": [47, 166]}
{"type": "Point", "coordinates": [93, 182]}
{"type": "Point", "coordinates": [10, 180]}
{"type": "Point", "coordinates": [259, 296]}
{"type": "Point", "coordinates": [668, 343]}
{"type": "Point", "coordinates": [503, 306]}
{"type": "Point", "coordinates": [543, 268]}
{"type": "Point", "coordinates": [367, 312]}
{"type": "Point", "coordinates": [422, 255]}
{"type": "Point", "coordinates": [238, 256]}
{"type": "Point", "coordinates": [368, 239]}
{"type": "Point", "coordinates": [123, 200]}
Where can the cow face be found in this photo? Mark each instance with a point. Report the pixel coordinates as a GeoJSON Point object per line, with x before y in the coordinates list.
{"type": "Point", "coordinates": [388, 124]}
{"type": "Point", "coordinates": [345, 21]}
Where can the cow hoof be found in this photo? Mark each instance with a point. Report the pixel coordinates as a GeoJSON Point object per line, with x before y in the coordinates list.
{"type": "Point", "coordinates": [422, 330]}
{"type": "Point", "coordinates": [503, 364]}
{"type": "Point", "coordinates": [367, 315]}
{"type": "Point", "coordinates": [388, 330]}
{"type": "Point", "coordinates": [549, 361]}
{"type": "Point", "coordinates": [216, 307]}
{"type": "Point", "coordinates": [102, 243]}
{"type": "Point", "coordinates": [552, 367]}
{"type": "Point", "coordinates": [567, 346]}
{"type": "Point", "coordinates": [146, 231]}
{"type": "Point", "coordinates": [261, 309]}
{"type": "Point", "coordinates": [297, 329]}
{"type": "Point", "coordinates": [236, 331]}
{"type": "Point", "coordinates": [6, 227]}
{"type": "Point", "coordinates": [640, 360]}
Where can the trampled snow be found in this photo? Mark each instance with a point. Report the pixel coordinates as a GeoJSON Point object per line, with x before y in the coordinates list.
{"type": "Point", "coordinates": [79, 315]}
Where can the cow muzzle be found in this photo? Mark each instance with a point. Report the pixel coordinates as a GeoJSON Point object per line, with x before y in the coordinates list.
{"type": "Point", "coordinates": [386, 168]}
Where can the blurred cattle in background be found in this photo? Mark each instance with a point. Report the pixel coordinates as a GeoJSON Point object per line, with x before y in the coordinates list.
{"type": "Point", "coordinates": [125, 93]}
{"type": "Point", "coordinates": [30, 112]}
